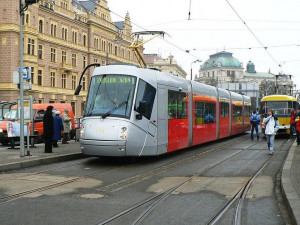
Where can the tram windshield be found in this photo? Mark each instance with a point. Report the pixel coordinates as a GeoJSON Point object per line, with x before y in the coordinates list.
{"type": "Point", "coordinates": [110, 95]}
{"type": "Point", "coordinates": [279, 107]}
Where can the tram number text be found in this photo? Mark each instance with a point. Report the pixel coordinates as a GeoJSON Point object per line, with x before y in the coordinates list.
{"type": "Point", "coordinates": [113, 80]}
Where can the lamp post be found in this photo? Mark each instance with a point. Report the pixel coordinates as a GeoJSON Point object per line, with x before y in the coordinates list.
{"type": "Point", "coordinates": [192, 67]}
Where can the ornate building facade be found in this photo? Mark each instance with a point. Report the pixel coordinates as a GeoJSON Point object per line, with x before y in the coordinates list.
{"type": "Point", "coordinates": [224, 71]}
{"type": "Point", "coordinates": [168, 65]}
{"type": "Point", "coordinates": [61, 37]}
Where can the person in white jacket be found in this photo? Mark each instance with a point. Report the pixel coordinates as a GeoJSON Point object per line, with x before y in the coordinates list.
{"type": "Point", "coordinates": [272, 126]}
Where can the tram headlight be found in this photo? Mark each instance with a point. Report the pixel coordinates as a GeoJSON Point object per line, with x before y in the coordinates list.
{"type": "Point", "coordinates": [81, 131]}
{"type": "Point", "coordinates": [123, 133]}
{"type": "Point", "coordinates": [1, 130]}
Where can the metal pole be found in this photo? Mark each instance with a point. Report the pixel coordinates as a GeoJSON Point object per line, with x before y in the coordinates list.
{"type": "Point", "coordinates": [192, 71]}
{"type": "Point", "coordinates": [22, 152]}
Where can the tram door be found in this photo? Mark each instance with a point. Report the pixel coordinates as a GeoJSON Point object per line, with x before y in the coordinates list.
{"type": "Point", "coordinates": [144, 105]}
{"type": "Point", "coordinates": [178, 127]}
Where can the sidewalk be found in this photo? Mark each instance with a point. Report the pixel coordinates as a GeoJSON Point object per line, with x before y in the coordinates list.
{"type": "Point", "coordinates": [10, 158]}
{"type": "Point", "coordinates": [290, 181]}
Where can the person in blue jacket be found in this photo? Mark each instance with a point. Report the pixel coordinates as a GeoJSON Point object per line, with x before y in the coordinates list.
{"type": "Point", "coordinates": [255, 121]}
{"type": "Point", "coordinates": [58, 128]}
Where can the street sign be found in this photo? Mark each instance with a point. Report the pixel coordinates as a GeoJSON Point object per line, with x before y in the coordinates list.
{"type": "Point", "coordinates": [26, 73]}
{"type": "Point", "coordinates": [16, 79]}
{"type": "Point", "coordinates": [27, 85]}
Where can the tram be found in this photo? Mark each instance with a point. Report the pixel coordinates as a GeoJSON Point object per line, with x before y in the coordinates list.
{"type": "Point", "coordinates": [281, 106]}
{"type": "Point", "coordinates": [132, 111]}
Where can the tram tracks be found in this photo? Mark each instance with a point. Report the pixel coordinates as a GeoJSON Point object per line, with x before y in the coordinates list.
{"type": "Point", "coordinates": [240, 196]}
{"type": "Point", "coordinates": [117, 185]}
{"type": "Point", "coordinates": [159, 198]}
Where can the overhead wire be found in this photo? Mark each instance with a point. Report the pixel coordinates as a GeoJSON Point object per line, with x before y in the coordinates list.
{"type": "Point", "coordinates": [259, 41]}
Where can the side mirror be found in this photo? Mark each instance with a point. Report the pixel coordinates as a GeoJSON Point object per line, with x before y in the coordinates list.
{"type": "Point", "coordinates": [143, 107]}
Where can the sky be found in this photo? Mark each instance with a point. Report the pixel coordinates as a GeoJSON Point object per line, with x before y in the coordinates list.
{"type": "Point", "coordinates": [271, 38]}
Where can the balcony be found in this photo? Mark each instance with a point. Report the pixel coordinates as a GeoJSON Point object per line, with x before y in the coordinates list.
{"type": "Point", "coordinates": [66, 67]}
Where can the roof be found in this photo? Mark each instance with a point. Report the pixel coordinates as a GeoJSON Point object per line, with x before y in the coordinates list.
{"type": "Point", "coordinates": [278, 98]}
{"type": "Point", "coordinates": [119, 25]}
{"type": "Point", "coordinates": [89, 5]}
{"type": "Point", "coordinates": [259, 75]}
{"type": "Point", "coordinates": [221, 59]}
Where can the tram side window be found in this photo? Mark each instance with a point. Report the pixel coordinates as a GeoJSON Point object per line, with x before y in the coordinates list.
{"type": "Point", "coordinates": [247, 110]}
{"type": "Point", "coordinates": [237, 111]}
{"type": "Point", "coordinates": [145, 93]}
{"type": "Point", "coordinates": [204, 112]}
{"type": "Point", "coordinates": [177, 105]}
{"type": "Point", "coordinates": [224, 109]}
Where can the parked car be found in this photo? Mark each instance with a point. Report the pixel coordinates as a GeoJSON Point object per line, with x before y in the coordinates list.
{"type": "Point", "coordinates": [38, 115]}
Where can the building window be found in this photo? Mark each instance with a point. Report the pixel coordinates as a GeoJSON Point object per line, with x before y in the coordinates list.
{"type": "Point", "coordinates": [32, 75]}
{"type": "Point", "coordinates": [116, 50]}
{"type": "Point", "coordinates": [52, 79]}
{"type": "Point", "coordinates": [64, 80]}
{"type": "Point", "coordinates": [95, 60]}
{"type": "Point", "coordinates": [96, 43]}
{"type": "Point", "coordinates": [84, 83]}
{"type": "Point", "coordinates": [63, 56]}
{"type": "Point", "coordinates": [41, 24]}
{"type": "Point", "coordinates": [84, 40]}
{"type": "Point", "coordinates": [64, 33]}
{"type": "Point", "coordinates": [40, 52]}
{"type": "Point", "coordinates": [53, 54]}
{"type": "Point", "coordinates": [84, 61]}
{"type": "Point", "coordinates": [73, 82]}
{"type": "Point", "coordinates": [74, 59]}
{"type": "Point", "coordinates": [53, 30]}
{"type": "Point", "coordinates": [39, 81]}
{"type": "Point", "coordinates": [27, 19]}
{"type": "Point", "coordinates": [30, 47]}
{"type": "Point", "coordinates": [74, 37]}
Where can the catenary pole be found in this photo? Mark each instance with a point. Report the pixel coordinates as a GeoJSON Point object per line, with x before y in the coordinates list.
{"type": "Point", "coordinates": [22, 151]}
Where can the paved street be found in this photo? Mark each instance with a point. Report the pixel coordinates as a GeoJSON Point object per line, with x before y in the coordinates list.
{"type": "Point", "coordinates": [92, 190]}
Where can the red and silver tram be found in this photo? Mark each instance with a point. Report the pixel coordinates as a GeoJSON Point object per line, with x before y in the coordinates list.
{"type": "Point", "coordinates": [132, 111]}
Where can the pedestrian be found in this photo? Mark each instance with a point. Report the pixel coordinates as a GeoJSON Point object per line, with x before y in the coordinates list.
{"type": "Point", "coordinates": [272, 126]}
{"type": "Point", "coordinates": [297, 124]}
{"type": "Point", "coordinates": [48, 125]}
{"type": "Point", "coordinates": [58, 128]}
{"type": "Point", "coordinates": [292, 122]}
{"type": "Point", "coordinates": [255, 121]}
{"type": "Point", "coordinates": [66, 122]}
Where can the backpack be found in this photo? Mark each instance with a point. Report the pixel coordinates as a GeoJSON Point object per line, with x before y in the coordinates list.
{"type": "Point", "coordinates": [254, 120]}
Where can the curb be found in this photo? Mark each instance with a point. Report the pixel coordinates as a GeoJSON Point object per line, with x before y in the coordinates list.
{"type": "Point", "coordinates": [290, 195]}
{"type": "Point", "coordinates": [41, 161]}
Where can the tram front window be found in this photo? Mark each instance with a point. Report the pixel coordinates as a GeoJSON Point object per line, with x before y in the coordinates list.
{"type": "Point", "coordinates": [280, 108]}
{"type": "Point", "coordinates": [110, 95]}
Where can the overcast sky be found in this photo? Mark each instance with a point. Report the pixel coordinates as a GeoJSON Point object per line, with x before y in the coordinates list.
{"type": "Point", "coordinates": [214, 26]}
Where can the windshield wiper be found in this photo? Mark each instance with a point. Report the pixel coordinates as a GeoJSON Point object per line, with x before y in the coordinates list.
{"type": "Point", "coordinates": [113, 109]}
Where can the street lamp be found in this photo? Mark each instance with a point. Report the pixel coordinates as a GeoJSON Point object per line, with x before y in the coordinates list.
{"type": "Point", "coordinates": [192, 67]}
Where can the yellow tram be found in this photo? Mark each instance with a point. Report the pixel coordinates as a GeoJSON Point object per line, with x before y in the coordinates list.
{"type": "Point", "coordinates": [282, 106]}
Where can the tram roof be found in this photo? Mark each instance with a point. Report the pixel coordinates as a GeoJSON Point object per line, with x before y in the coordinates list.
{"type": "Point", "coordinates": [278, 98]}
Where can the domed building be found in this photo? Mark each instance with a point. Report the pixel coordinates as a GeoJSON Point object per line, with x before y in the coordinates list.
{"type": "Point", "coordinates": [220, 67]}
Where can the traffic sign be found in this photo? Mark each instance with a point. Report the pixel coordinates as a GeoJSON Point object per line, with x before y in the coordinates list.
{"type": "Point", "coordinates": [26, 73]}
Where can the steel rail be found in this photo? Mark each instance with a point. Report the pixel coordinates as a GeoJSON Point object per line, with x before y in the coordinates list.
{"type": "Point", "coordinates": [114, 186]}
{"type": "Point", "coordinates": [162, 196]}
{"type": "Point", "coordinates": [241, 194]}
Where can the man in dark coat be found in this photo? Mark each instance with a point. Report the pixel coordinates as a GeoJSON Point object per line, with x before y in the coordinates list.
{"type": "Point", "coordinates": [48, 125]}
{"type": "Point", "coordinates": [58, 128]}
